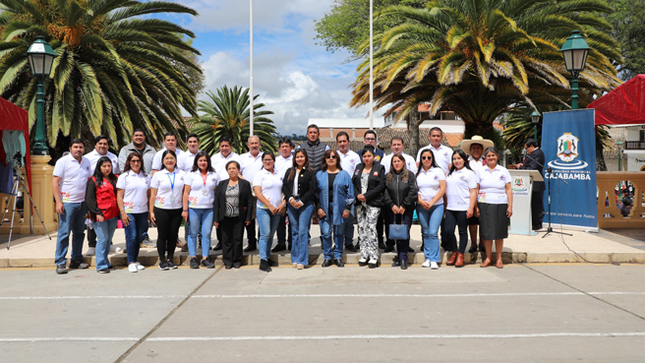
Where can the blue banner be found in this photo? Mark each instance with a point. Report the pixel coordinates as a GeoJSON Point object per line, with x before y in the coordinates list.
{"type": "Point", "coordinates": [569, 146]}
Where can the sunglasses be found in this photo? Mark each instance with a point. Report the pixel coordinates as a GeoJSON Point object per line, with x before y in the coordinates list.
{"type": "Point", "coordinates": [331, 157]}
{"type": "Point", "coordinates": [426, 158]}
{"type": "Point", "coordinates": [135, 161]}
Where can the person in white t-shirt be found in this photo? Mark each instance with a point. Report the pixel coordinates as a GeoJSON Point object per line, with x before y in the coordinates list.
{"type": "Point", "coordinates": [495, 201]}
{"type": "Point", "coordinates": [166, 193]}
{"type": "Point", "coordinates": [431, 182]}
{"type": "Point", "coordinates": [461, 195]}
{"type": "Point", "coordinates": [267, 186]}
{"type": "Point", "coordinates": [132, 196]}
{"type": "Point", "coordinates": [397, 145]}
{"type": "Point", "coordinates": [475, 150]}
{"type": "Point", "coordinates": [442, 153]}
{"type": "Point", "coordinates": [68, 186]}
{"type": "Point", "coordinates": [225, 154]}
{"type": "Point", "coordinates": [170, 143]}
{"type": "Point", "coordinates": [348, 161]}
{"type": "Point", "coordinates": [101, 145]}
{"type": "Point", "coordinates": [283, 162]}
{"type": "Point", "coordinates": [251, 164]}
{"type": "Point", "coordinates": [186, 160]}
{"type": "Point", "coordinates": [198, 201]}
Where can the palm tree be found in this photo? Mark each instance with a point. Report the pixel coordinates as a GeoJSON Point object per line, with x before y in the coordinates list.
{"type": "Point", "coordinates": [479, 58]}
{"type": "Point", "coordinates": [117, 69]}
{"type": "Point", "coordinates": [227, 115]}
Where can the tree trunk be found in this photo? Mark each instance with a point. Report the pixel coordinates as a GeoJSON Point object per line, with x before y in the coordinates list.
{"type": "Point", "coordinates": [413, 123]}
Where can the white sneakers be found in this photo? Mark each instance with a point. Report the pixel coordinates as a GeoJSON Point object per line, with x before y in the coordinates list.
{"type": "Point", "coordinates": [90, 251]}
{"type": "Point", "coordinates": [433, 265]}
{"type": "Point", "coordinates": [116, 249]}
{"type": "Point", "coordinates": [133, 267]}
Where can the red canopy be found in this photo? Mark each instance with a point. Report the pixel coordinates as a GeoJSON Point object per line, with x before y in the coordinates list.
{"type": "Point", "coordinates": [624, 105]}
{"type": "Point", "coordinates": [13, 117]}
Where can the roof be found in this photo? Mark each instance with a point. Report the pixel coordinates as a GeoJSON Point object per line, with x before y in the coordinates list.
{"type": "Point", "coordinates": [359, 123]}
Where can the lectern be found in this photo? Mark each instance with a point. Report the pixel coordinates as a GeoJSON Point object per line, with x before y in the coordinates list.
{"type": "Point", "coordinates": [522, 185]}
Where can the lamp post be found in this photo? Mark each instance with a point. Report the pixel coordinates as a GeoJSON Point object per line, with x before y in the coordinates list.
{"type": "Point", "coordinates": [575, 50]}
{"type": "Point", "coordinates": [620, 154]}
{"type": "Point", "coordinates": [535, 119]}
{"type": "Point", "coordinates": [41, 55]}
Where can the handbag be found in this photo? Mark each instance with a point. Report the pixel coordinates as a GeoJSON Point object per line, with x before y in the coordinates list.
{"type": "Point", "coordinates": [398, 231]}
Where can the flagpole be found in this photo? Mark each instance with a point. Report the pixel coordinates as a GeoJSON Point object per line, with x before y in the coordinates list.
{"type": "Point", "coordinates": [251, 118]}
{"type": "Point", "coordinates": [371, 66]}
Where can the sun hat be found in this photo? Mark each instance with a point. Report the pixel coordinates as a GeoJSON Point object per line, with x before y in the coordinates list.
{"type": "Point", "coordinates": [476, 139]}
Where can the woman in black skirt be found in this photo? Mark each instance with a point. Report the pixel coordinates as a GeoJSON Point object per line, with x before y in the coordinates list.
{"type": "Point", "coordinates": [495, 204]}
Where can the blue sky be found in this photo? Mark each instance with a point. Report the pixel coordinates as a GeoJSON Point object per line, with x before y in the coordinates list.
{"type": "Point", "coordinates": [294, 77]}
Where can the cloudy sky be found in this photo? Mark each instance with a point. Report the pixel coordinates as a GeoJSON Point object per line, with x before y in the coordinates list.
{"type": "Point", "coordinates": [294, 77]}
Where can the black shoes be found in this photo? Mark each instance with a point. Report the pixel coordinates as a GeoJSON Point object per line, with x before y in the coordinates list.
{"type": "Point", "coordinates": [396, 262]}
{"type": "Point", "coordinates": [218, 246]}
{"type": "Point", "coordinates": [410, 249]}
{"type": "Point", "coordinates": [326, 263]}
{"type": "Point", "coordinates": [61, 269]}
{"type": "Point", "coordinates": [372, 264]}
{"type": "Point", "coordinates": [279, 248]}
{"type": "Point", "coordinates": [171, 265]}
{"type": "Point", "coordinates": [163, 265]}
{"type": "Point", "coordinates": [103, 271]}
{"type": "Point", "coordinates": [381, 245]}
{"type": "Point", "coordinates": [350, 248]}
{"type": "Point", "coordinates": [250, 248]}
{"type": "Point", "coordinates": [388, 249]}
{"type": "Point", "coordinates": [404, 264]}
{"type": "Point", "coordinates": [79, 265]}
{"type": "Point", "coordinates": [208, 264]}
{"type": "Point", "coordinates": [339, 262]}
{"type": "Point", "coordinates": [194, 264]}
{"type": "Point", "coordinates": [264, 266]}
{"type": "Point", "coordinates": [271, 263]}
{"type": "Point", "coordinates": [228, 267]}
{"type": "Point", "coordinates": [362, 263]}
{"type": "Point", "coordinates": [237, 264]}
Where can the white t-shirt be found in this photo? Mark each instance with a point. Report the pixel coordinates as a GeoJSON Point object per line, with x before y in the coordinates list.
{"type": "Point", "coordinates": [442, 156]}
{"type": "Point", "coordinates": [94, 156]}
{"type": "Point", "coordinates": [349, 161]}
{"type": "Point", "coordinates": [475, 164]}
{"type": "Point", "coordinates": [428, 183]}
{"type": "Point", "coordinates": [218, 162]}
{"type": "Point", "coordinates": [458, 185]}
{"type": "Point", "coordinates": [271, 187]}
{"type": "Point", "coordinates": [73, 178]}
{"type": "Point", "coordinates": [156, 161]}
{"type": "Point", "coordinates": [135, 191]}
{"type": "Point", "coordinates": [409, 162]}
{"type": "Point", "coordinates": [249, 166]}
{"type": "Point", "coordinates": [282, 163]}
{"type": "Point", "coordinates": [185, 161]}
{"type": "Point", "coordinates": [201, 196]}
{"type": "Point", "coordinates": [492, 185]}
{"type": "Point", "coordinates": [170, 188]}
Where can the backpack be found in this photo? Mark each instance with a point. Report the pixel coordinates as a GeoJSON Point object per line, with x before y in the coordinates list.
{"type": "Point", "coordinates": [106, 200]}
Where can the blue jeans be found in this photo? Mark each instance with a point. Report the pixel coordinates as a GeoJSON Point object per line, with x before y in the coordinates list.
{"type": "Point", "coordinates": [134, 233]}
{"type": "Point", "coordinates": [430, 220]}
{"type": "Point", "coordinates": [300, 220]}
{"type": "Point", "coordinates": [73, 220]}
{"type": "Point", "coordinates": [197, 218]}
{"type": "Point", "coordinates": [339, 235]}
{"type": "Point", "coordinates": [267, 223]}
{"type": "Point", "coordinates": [104, 232]}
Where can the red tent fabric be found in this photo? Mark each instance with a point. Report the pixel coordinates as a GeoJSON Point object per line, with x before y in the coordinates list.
{"type": "Point", "coordinates": [13, 117]}
{"type": "Point", "coordinates": [624, 105]}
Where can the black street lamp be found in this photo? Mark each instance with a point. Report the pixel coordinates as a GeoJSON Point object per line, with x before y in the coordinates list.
{"type": "Point", "coordinates": [535, 119]}
{"type": "Point", "coordinates": [41, 56]}
{"type": "Point", "coordinates": [575, 50]}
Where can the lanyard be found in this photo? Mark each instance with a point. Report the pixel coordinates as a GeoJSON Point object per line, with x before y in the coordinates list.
{"type": "Point", "coordinates": [204, 178]}
{"type": "Point", "coordinates": [172, 182]}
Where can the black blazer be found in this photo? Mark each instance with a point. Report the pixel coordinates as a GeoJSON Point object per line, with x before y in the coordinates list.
{"type": "Point", "coordinates": [375, 184]}
{"type": "Point", "coordinates": [246, 201]}
{"type": "Point", "coordinates": [306, 185]}
{"type": "Point", "coordinates": [532, 162]}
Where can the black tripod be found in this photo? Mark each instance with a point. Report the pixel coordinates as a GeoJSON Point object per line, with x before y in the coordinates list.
{"type": "Point", "coordinates": [549, 229]}
{"type": "Point", "coordinates": [18, 179]}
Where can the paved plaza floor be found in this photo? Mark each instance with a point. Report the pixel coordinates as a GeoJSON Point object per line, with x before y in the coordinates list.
{"type": "Point", "coordinates": [524, 312]}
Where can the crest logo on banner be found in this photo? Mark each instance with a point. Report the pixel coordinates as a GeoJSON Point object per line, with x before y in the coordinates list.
{"type": "Point", "coordinates": [568, 142]}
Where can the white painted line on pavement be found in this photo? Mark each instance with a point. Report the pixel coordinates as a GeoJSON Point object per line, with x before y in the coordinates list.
{"type": "Point", "coordinates": [400, 336]}
{"type": "Point", "coordinates": [68, 339]}
{"type": "Point", "coordinates": [510, 294]}
{"type": "Point", "coordinates": [331, 337]}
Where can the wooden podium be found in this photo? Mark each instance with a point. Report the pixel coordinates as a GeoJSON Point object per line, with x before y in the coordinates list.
{"type": "Point", "coordinates": [522, 186]}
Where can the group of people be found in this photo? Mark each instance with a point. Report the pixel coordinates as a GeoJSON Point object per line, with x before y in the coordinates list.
{"type": "Point", "coordinates": [459, 189]}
